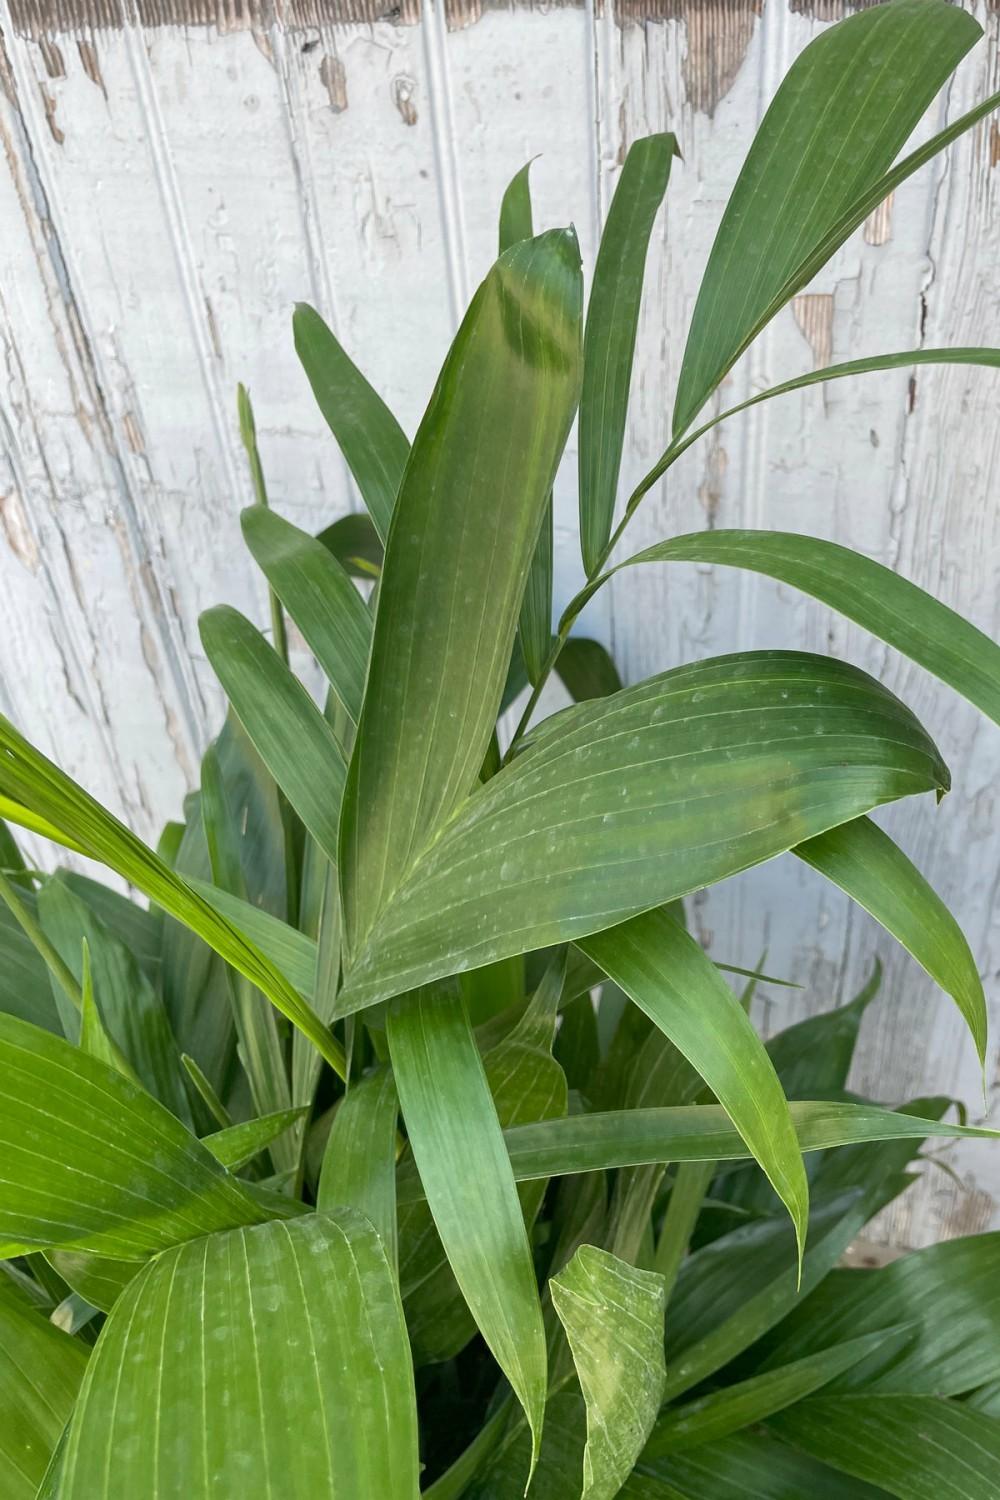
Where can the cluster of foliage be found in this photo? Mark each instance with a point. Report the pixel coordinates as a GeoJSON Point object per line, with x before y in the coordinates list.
{"type": "Point", "coordinates": [402, 1140]}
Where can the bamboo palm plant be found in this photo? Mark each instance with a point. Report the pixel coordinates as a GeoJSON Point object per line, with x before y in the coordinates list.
{"type": "Point", "coordinates": [400, 1139]}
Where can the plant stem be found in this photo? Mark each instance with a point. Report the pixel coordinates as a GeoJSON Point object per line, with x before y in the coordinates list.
{"type": "Point", "coordinates": [576, 604]}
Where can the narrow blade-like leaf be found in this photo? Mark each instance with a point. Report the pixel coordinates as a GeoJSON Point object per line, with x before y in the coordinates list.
{"type": "Point", "coordinates": [667, 974]}
{"type": "Point", "coordinates": [875, 873]}
{"type": "Point", "coordinates": [359, 1164]}
{"type": "Point", "coordinates": [867, 592]}
{"type": "Point", "coordinates": [370, 438]}
{"type": "Point", "coordinates": [694, 1132]}
{"type": "Point", "coordinates": [949, 1294]}
{"type": "Point", "coordinates": [711, 1417]}
{"type": "Point", "coordinates": [465, 1172]}
{"type": "Point", "coordinates": [609, 340]}
{"type": "Point", "coordinates": [842, 113]}
{"type": "Point", "coordinates": [290, 734]}
{"type": "Point", "coordinates": [319, 596]}
{"type": "Point", "coordinates": [238, 1144]}
{"type": "Point", "coordinates": [915, 1447]}
{"type": "Point", "coordinates": [129, 1009]}
{"type": "Point", "coordinates": [260, 1046]}
{"type": "Point", "coordinates": [535, 623]}
{"type": "Point", "coordinates": [744, 1465]}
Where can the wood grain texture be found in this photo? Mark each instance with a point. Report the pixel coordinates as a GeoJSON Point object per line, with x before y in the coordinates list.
{"type": "Point", "coordinates": [177, 173]}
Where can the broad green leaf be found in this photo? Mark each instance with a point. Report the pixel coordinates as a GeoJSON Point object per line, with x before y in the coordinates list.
{"type": "Point", "coordinates": [319, 596]}
{"type": "Point", "coordinates": [355, 544]}
{"type": "Point", "coordinates": [123, 1177]}
{"type": "Point", "coordinates": [535, 623]}
{"type": "Point", "coordinates": [667, 974]}
{"type": "Point", "coordinates": [371, 440]}
{"type": "Point", "coordinates": [949, 1292]}
{"type": "Point", "coordinates": [612, 1315]}
{"type": "Point", "coordinates": [746, 1466]}
{"type": "Point", "coordinates": [587, 670]}
{"type": "Point", "coordinates": [916, 1447]}
{"type": "Point", "coordinates": [657, 791]}
{"type": "Point", "coordinates": [269, 1361]}
{"type": "Point", "coordinates": [260, 1046]}
{"type": "Point", "coordinates": [462, 536]}
{"type": "Point", "coordinates": [695, 1132]}
{"type": "Point", "coordinates": [76, 816]}
{"type": "Point", "coordinates": [289, 732]}
{"type": "Point", "coordinates": [238, 1144]}
{"type": "Point", "coordinates": [465, 1172]}
{"type": "Point", "coordinates": [708, 1418]}
{"type": "Point", "coordinates": [359, 1164]}
{"type": "Point", "coordinates": [875, 873]}
{"type": "Point", "coordinates": [609, 339]}
{"type": "Point", "coordinates": [868, 593]}
{"type": "Point", "coordinates": [40, 1374]}
{"type": "Point", "coordinates": [839, 118]}
{"type": "Point", "coordinates": [130, 1011]}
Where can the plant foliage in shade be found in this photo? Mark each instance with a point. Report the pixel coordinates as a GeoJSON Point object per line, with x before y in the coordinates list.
{"type": "Point", "coordinates": [397, 1138]}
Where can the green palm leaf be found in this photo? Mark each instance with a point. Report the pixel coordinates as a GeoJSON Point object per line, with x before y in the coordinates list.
{"type": "Point", "coordinates": [843, 111]}
{"type": "Point", "coordinates": [465, 1172]}
{"type": "Point", "coordinates": [636, 799]}
{"type": "Point", "coordinates": [457, 557]}
{"type": "Point", "coordinates": [270, 1361]}
{"type": "Point", "coordinates": [609, 340]}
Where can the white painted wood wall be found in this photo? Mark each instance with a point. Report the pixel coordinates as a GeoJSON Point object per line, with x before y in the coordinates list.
{"type": "Point", "coordinates": [174, 179]}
